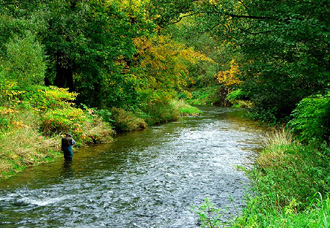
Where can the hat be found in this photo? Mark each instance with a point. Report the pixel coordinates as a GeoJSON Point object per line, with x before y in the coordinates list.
{"type": "Point", "coordinates": [68, 134]}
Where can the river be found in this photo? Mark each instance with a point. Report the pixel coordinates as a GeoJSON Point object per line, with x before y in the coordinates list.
{"type": "Point", "coordinates": [149, 178]}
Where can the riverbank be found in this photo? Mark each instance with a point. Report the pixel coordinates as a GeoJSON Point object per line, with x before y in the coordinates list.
{"type": "Point", "coordinates": [149, 178]}
{"type": "Point", "coordinates": [32, 124]}
{"type": "Point", "coordinates": [290, 185]}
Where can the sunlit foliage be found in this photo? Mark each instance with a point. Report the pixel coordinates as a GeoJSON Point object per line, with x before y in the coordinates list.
{"type": "Point", "coordinates": [229, 78]}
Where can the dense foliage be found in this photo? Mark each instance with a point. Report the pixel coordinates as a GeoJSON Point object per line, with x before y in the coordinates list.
{"type": "Point", "coordinates": [87, 66]}
{"type": "Point", "coordinates": [283, 45]}
{"type": "Point", "coordinates": [83, 67]}
{"type": "Point", "coordinates": [109, 52]}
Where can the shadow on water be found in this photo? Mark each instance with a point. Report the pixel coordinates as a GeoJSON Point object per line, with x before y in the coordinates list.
{"type": "Point", "coordinates": [147, 178]}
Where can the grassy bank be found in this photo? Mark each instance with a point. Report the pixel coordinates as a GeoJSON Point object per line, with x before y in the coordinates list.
{"type": "Point", "coordinates": [33, 121]}
{"type": "Point", "coordinates": [290, 188]}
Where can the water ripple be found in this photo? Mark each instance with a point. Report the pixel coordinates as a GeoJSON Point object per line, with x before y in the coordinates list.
{"type": "Point", "coordinates": [150, 178]}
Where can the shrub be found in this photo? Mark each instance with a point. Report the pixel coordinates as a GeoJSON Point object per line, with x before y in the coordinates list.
{"type": "Point", "coordinates": [127, 121]}
{"type": "Point", "coordinates": [310, 120]}
{"type": "Point", "coordinates": [105, 114]}
{"type": "Point", "coordinates": [24, 60]}
{"type": "Point", "coordinates": [45, 98]}
{"type": "Point", "coordinates": [202, 96]}
{"type": "Point", "coordinates": [95, 130]}
{"type": "Point", "coordinates": [238, 99]}
{"type": "Point", "coordinates": [62, 120]}
{"type": "Point", "coordinates": [160, 112]}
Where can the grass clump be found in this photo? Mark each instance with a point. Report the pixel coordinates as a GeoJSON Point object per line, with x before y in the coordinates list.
{"type": "Point", "coordinates": [24, 146]}
{"type": "Point", "coordinates": [184, 109]}
{"type": "Point", "coordinates": [166, 110]}
{"type": "Point", "coordinates": [127, 121]}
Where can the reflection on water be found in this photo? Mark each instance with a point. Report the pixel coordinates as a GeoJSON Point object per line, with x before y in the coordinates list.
{"type": "Point", "coordinates": [148, 178]}
{"type": "Point", "coordinates": [68, 171]}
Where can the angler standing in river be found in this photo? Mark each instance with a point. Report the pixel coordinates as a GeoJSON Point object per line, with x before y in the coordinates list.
{"type": "Point", "coordinates": [67, 143]}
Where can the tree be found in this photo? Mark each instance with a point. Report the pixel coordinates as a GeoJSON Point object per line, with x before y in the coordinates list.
{"type": "Point", "coordinates": [85, 41]}
{"type": "Point", "coordinates": [284, 44]}
{"type": "Point", "coordinates": [22, 59]}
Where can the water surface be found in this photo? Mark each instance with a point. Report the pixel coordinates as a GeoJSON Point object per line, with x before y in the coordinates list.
{"type": "Point", "coordinates": [149, 178]}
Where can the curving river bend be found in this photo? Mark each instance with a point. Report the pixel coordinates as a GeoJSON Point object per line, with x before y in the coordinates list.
{"type": "Point", "coordinates": [150, 178]}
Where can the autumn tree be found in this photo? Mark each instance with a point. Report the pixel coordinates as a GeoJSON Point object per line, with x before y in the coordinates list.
{"type": "Point", "coordinates": [162, 66]}
{"type": "Point", "coordinates": [229, 78]}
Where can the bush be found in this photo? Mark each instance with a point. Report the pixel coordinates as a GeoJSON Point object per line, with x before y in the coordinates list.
{"type": "Point", "coordinates": [202, 96]}
{"type": "Point", "coordinates": [238, 99]}
{"type": "Point", "coordinates": [24, 60]}
{"type": "Point", "coordinates": [127, 121]}
{"type": "Point", "coordinates": [160, 112]}
{"type": "Point", "coordinates": [47, 98]}
{"type": "Point", "coordinates": [310, 120]}
{"type": "Point", "coordinates": [59, 121]}
{"type": "Point", "coordinates": [95, 130]}
{"type": "Point", "coordinates": [184, 109]}
{"type": "Point", "coordinates": [105, 114]}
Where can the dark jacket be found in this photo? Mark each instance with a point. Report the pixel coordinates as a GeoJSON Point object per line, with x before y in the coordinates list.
{"type": "Point", "coordinates": [67, 143]}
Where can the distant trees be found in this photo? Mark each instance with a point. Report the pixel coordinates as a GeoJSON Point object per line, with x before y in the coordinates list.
{"type": "Point", "coordinates": [284, 45]}
{"type": "Point", "coordinates": [118, 53]}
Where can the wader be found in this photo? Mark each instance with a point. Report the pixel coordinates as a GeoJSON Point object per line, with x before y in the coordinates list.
{"type": "Point", "coordinates": [67, 143]}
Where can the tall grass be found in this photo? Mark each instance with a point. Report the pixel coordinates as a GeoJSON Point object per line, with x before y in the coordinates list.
{"type": "Point", "coordinates": [290, 186]}
{"type": "Point", "coordinates": [23, 145]}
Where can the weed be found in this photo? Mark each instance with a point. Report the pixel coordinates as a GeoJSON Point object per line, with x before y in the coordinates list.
{"type": "Point", "coordinates": [209, 215]}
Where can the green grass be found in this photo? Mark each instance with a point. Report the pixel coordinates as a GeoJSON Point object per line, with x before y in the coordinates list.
{"type": "Point", "coordinates": [204, 96]}
{"type": "Point", "coordinates": [317, 214]}
{"type": "Point", "coordinates": [290, 187]}
{"type": "Point", "coordinates": [185, 109]}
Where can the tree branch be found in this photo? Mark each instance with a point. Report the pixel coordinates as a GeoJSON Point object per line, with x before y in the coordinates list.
{"type": "Point", "coordinates": [241, 16]}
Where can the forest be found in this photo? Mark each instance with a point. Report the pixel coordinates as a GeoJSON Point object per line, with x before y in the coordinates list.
{"type": "Point", "coordinates": [97, 67]}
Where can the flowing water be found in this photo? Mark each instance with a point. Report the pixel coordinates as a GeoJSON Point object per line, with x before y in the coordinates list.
{"type": "Point", "coordinates": [149, 178]}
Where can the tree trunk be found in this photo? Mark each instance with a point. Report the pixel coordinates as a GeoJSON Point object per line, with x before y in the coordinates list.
{"type": "Point", "coordinates": [64, 73]}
